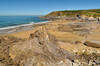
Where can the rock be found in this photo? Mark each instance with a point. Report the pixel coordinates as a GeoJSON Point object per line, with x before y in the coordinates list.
{"type": "Point", "coordinates": [41, 50]}
{"type": "Point", "coordinates": [44, 47]}
{"type": "Point", "coordinates": [95, 44]}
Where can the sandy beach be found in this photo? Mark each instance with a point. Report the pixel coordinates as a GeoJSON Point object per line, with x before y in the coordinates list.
{"type": "Point", "coordinates": [21, 31]}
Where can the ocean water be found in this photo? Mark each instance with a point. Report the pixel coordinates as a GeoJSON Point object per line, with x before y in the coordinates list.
{"type": "Point", "coordinates": [11, 21]}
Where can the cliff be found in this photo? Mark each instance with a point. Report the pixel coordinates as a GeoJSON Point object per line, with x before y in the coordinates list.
{"type": "Point", "coordinates": [73, 13]}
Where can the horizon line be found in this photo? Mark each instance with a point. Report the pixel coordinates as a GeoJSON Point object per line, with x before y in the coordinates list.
{"type": "Point", "coordinates": [21, 15]}
{"type": "Point", "coordinates": [44, 14]}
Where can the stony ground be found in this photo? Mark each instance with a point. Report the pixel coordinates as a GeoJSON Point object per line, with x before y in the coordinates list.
{"type": "Point", "coordinates": [59, 43]}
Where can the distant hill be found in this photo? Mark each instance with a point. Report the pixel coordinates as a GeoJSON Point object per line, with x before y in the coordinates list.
{"type": "Point", "coordinates": [88, 13]}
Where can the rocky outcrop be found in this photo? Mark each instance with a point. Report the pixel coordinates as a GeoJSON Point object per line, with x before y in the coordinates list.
{"type": "Point", "coordinates": [52, 44]}
{"type": "Point", "coordinates": [40, 50]}
{"type": "Point", "coordinates": [95, 44]}
{"type": "Point", "coordinates": [6, 42]}
{"type": "Point", "coordinates": [74, 13]}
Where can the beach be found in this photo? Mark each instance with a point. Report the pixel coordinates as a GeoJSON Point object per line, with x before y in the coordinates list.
{"type": "Point", "coordinates": [73, 39]}
{"type": "Point", "coordinates": [9, 23]}
{"type": "Point", "coordinates": [21, 31]}
{"type": "Point", "coordinates": [49, 33]}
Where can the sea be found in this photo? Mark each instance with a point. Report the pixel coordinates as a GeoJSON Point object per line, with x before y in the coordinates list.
{"type": "Point", "coordinates": [7, 22]}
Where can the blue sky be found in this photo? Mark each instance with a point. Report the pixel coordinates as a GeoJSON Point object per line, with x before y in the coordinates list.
{"type": "Point", "coordinates": [41, 7]}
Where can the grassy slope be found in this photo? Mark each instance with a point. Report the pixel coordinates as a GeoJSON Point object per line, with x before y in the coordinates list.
{"type": "Point", "coordinates": [91, 12]}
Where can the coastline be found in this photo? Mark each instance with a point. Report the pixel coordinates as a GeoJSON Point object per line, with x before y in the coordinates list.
{"type": "Point", "coordinates": [63, 34]}
{"type": "Point", "coordinates": [20, 28]}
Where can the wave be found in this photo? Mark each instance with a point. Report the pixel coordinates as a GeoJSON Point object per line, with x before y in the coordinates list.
{"type": "Point", "coordinates": [11, 27]}
{"type": "Point", "coordinates": [22, 25]}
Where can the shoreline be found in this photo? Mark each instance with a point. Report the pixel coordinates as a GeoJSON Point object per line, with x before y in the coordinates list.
{"type": "Point", "coordinates": [20, 28]}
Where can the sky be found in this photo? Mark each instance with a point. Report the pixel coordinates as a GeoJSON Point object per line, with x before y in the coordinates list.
{"type": "Point", "coordinates": [42, 7]}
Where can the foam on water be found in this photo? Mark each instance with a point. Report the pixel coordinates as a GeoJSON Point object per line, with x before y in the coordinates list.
{"type": "Point", "coordinates": [7, 22]}
{"type": "Point", "coordinates": [22, 25]}
{"type": "Point", "coordinates": [10, 22]}
{"type": "Point", "coordinates": [10, 27]}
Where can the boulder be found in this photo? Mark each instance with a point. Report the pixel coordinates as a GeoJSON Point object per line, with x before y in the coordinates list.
{"type": "Point", "coordinates": [95, 44]}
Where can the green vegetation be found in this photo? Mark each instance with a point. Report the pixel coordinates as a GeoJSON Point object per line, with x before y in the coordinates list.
{"type": "Point", "coordinates": [88, 13]}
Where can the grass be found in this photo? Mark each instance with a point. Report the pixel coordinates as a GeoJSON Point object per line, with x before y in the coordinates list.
{"type": "Point", "coordinates": [88, 13]}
